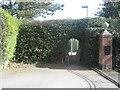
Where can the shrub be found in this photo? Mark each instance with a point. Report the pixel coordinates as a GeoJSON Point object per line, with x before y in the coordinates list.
{"type": "Point", "coordinates": [47, 41]}
{"type": "Point", "coordinates": [41, 41]}
{"type": "Point", "coordinates": [9, 34]}
{"type": "Point", "coordinates": [2, 31]}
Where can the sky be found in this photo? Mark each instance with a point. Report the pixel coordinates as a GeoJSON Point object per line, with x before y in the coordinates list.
{"type": "Point", "coordinates": [73, 9]}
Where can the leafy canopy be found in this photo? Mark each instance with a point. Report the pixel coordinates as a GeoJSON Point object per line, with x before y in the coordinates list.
{"type": "Point", "coordinates": [110, 10]}
{"type": "Point", "coordinates": [32, 9]}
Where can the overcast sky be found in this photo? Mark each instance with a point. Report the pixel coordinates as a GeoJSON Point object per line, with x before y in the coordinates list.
{"type": "Point", "coordinates": [73, 9]}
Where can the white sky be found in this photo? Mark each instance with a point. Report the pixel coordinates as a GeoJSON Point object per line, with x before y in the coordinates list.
{"type": "Point", "coordinates": [73, 9]}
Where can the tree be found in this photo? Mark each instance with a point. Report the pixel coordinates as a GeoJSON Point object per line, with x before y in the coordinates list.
{"type": "Point", "coordinates": [32, 9]}
{"type": "Point", "coordinates": [110, 10]}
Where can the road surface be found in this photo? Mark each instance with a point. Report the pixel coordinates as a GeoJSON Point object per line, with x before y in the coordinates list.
{"type": "Point", "coordinates": [72, 76]}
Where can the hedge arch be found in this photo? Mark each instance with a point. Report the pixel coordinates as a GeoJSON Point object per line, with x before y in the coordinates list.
{"type": "Point", "coordinates": [46, 41]}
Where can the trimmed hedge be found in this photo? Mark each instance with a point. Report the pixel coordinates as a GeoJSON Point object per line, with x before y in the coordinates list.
{"type": "Point", "coordinates": [42, 41]}
{"type": "Point", "coordinates": [9, 34]}
{"type": "Point", "coordinates": [47, 41]}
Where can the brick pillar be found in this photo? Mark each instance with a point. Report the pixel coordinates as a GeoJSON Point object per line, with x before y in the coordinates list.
{"type": "Point", "coordinates": [105, 51]}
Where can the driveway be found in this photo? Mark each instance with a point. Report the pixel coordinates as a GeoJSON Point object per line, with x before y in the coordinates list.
{"type": "Point", "coordinates": [53, 76]}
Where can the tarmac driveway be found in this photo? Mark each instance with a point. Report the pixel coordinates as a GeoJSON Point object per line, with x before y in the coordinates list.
{"type": "Point", "coordinates": [52, 77]}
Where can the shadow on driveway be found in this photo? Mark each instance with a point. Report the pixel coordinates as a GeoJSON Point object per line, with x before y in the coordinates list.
{"type": "Point", "coordinates": [63, 66]}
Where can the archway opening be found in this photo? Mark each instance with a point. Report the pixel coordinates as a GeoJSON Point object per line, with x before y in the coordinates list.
{"type": "Point", "coordinates": [73, 51]}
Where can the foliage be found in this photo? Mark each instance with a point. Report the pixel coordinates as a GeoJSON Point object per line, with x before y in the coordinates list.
{"type": "Point", "coordinates": [110, 10]}
{"type": "Point", "coordinates": [40, 41]}
{"type": "Point", "coordinates": [9, 34]}
{"type": "Point", "coordinates": [47, 41]}
{"type": "Point", "coordinates": [32, 9]}
{"type": "Point", "coordinates": [2, 31]}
